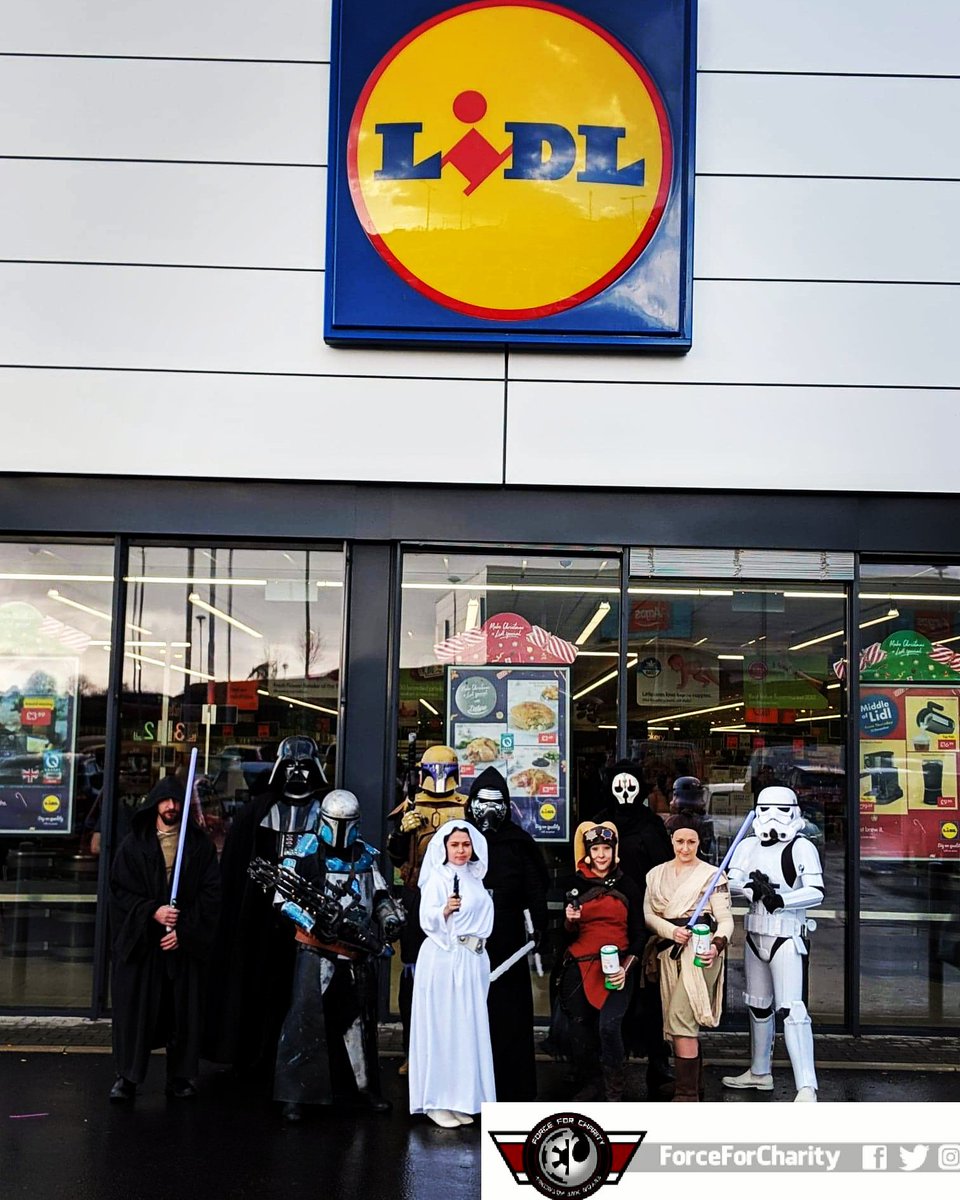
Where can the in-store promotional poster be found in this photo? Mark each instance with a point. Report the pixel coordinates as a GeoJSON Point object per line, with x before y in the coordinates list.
{"type": "Point", "coordinates": [908, 772]}
{"type": "Point", "coordinates": [516, 719]}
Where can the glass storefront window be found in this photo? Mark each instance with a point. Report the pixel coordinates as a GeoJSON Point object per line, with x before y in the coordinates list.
{"type": "Point", "coordinates": [513, 661]}
{"type": "Point", "coordinates": [228, 650]}
{"type": "Point", "coordinates": [909, 844]}
{"type": "Point", "coordinates": [55, 605]}
{"type": "Point", "coordinates": [735, 684]}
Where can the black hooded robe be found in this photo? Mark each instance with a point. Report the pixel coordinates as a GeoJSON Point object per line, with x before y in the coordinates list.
{"type": "Point", "coordinates": [644, 843]}
{"type": "Point", "coordinates": [158, 994]}
{"type": "Point", "coordinates": [252, 961]}
{"type": "Point", "coordinates": [516, 879]}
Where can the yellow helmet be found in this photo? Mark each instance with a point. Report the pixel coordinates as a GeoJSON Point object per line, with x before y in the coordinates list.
{"type": "Point", "coordinates": [439, 771]}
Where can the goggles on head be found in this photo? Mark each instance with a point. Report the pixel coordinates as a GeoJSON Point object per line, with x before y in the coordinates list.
{"type": "Point", "coordinates": [600, 836]}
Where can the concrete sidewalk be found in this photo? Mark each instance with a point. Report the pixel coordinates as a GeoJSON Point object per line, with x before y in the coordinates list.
{"type": "Point", "coordinates": [59, 1136]}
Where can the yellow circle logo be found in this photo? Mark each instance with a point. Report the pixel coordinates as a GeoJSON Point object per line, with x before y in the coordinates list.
{"type": "Point", "coordinates": [548, 812]}
{"type": "Point", "coordinates": [51, 804]}
{"type": "Point", "coordinates": [509, 160]}
{"type": "Point", "coordinates": [948, 831]}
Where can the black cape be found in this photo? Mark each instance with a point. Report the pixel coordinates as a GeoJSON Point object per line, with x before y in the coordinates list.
{"type": "Point", "coordinates": [517, 879]}
{"type": "Point", "coordinates": [155, 992]}
{"type": "Point", "coordinates": [252, 963]}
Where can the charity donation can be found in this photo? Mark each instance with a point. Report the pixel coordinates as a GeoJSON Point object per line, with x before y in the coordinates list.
{"type": "Point", "coordinates": [609, 964]}
{"type": "Point", "coordinates": [701, 943]}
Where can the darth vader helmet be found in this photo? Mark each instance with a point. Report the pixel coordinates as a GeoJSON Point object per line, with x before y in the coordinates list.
{"type": "Point", "coordinates": [298, 770]}
{"type": "Point", "coordinates": [488, 806]}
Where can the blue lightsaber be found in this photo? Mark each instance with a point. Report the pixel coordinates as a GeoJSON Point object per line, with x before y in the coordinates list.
{"type": "Point", "coordinates": [184, 822]}
{"type": "Point", "coordinates": [705, 898]}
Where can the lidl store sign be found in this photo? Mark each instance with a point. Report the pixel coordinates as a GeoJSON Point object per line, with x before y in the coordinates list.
{"type": "Point", "coordinates": [511, 172]}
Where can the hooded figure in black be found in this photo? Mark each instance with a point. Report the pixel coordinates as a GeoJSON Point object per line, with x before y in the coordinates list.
{"type": "Point", "coordinates": [159, 952]}
{"type": "Point", "coordinates": [516, 879]}
{"type": "Point", "coordinates": [644, 844]}
{"type": "Point", "coordinates": [252, 967]}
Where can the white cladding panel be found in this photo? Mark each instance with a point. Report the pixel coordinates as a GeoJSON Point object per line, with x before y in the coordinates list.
{"type": "Point", "coordinates": [197, 111]}
{"type": "Point", "coordinates": [899, 335]}
{"type": "Point", "coordinates": [282, 29]}
{"type": "Point", "coordinates": [848, 36]}
{"type": "Point", "coordinates": [193, 320]}
{"type": "Point", "coordinates": [847, 229]}
{"type": "Point", "coordinates": [167, 213]}
{"type": "Point", "coordinates": [798, 439]}
{"type": "Point", "coordinates": [828, 125]}
{"type": "Point", "coordinates": [241, 427]}
{"type": "Point", "coordinates": [837, 357]}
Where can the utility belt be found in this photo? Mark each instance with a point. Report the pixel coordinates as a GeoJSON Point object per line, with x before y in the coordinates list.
{"type": "Point", "coordinates": [475, 945]}
{"type": "Point", "coordinates": [785, 922]}
{"type": "Point", "coordinates": [338, 949]}
{"type": "Point", "coordinates": [595, 957]}
{"type": "Point", "coordinates": [707, 919]}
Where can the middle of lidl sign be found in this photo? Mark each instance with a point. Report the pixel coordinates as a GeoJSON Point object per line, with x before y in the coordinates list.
{"type": "Point", "coordinates": [511, 173]}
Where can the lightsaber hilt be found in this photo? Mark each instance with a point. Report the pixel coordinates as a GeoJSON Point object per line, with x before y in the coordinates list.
{"type": "Point", "coordinates": [705, 898]}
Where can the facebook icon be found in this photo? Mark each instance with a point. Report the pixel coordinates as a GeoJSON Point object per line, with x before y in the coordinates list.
{"type": "Point", "coordinates": [874, 1158]}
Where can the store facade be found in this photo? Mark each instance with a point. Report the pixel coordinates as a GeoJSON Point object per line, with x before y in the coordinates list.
{"type": "Point", "coordinates": [825, 664]}
{"type": "Point", "coordinates": [218, 528]}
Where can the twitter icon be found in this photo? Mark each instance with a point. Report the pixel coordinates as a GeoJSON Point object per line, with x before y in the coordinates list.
{"type": "Point", "coordinates": [913, 1160]}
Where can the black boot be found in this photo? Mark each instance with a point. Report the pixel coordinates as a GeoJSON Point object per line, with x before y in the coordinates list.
{"type": "Point", "coordinates": [372, 1101]}
{"type": "Point", "coordinates": [688, 1076]}
{"type": "Point", "coordinates": [292, 1113]}
{"type": "Point", "coordinates": [614, 1081]}
{"type": "Point", "coordinates": [701, 1078]}
{"type": "Point", "coordinates": [660, 1080]}
{"type": "Point", "coordinates": [122, 1090]}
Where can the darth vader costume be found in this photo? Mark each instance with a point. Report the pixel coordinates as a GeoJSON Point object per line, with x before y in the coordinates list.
{"type": "Point", "coordinates": [644, 844]}
{"type": "Point", "coordinates": [252, 967]}
{"type": "Point", "coordinates": [517, 880]}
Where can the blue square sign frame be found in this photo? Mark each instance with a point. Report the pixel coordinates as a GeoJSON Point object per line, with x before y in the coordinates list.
{"type": "Point", "coordinates": [646, 307]}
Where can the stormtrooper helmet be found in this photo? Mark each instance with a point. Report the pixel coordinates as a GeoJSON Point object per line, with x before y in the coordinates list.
{"type": "Point", "coordinates": [625, 788]}
{"type": "Point", "coordinates": [298, 769]}
{"type": "Point", "coordinates": [778, 816]}
{"type": "Point", "coordinates": [339, 820]}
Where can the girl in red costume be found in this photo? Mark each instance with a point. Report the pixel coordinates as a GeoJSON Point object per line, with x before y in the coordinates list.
{"type": "Point", "coordinates": [604, 908]}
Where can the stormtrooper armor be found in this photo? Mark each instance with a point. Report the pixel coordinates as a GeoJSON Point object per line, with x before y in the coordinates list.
{"type": "Point", "coordinates": [779, 872]}
{"type": "Point", "coordinates": [335, 982]}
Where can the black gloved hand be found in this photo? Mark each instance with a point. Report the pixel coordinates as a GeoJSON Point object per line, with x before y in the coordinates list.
{"type": "Point", "coordinates": [759, 886]}
{"type": "Point", "coordinates": [772, 903]}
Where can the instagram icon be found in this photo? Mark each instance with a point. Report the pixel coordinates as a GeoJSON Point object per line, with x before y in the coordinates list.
{"type": "Point", "coordinates": [948, 1156]}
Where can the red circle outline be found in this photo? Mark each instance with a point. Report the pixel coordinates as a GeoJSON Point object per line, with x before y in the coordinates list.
{"type": "Point", "coordinates": [543, 310]}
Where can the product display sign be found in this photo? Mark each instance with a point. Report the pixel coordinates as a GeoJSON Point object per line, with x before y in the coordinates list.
{"type": "Point", "coordinates": [908, 772]}
{"type": "Point", "coordinates": [511, 172]}
{"type": "Point", "coordinates": [516, 719]}
{"type": "Point", "coordinates": [37, 738]}
{"type": "Point", "coordinates": [681, 679]}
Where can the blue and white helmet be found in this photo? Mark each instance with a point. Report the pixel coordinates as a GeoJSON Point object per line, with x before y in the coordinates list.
{"type": "Point", "coordinates": [339, 820]}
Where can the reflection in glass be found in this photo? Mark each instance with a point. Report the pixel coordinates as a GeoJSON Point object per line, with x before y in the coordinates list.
{"type": "Point", "coordinates": [229, 650]}
{"type": "Point", "coordinates": [737, 687]}
{"type": "Point", "coordinates": [55, 626]}
{"type": "Point", "coordinates": [909, 844]}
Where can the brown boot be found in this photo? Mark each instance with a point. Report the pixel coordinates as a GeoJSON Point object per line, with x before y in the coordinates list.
{"type": "Point", "coordinates": [613, 1084]}
{"type": "Point", "coordinates": [687, 1071]}
{"type": "Point", "coordinates": [701, 1078]}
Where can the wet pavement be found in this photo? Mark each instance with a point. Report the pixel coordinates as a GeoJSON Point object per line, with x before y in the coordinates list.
{"type": "Point", "coordinates": [59, 1136]}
